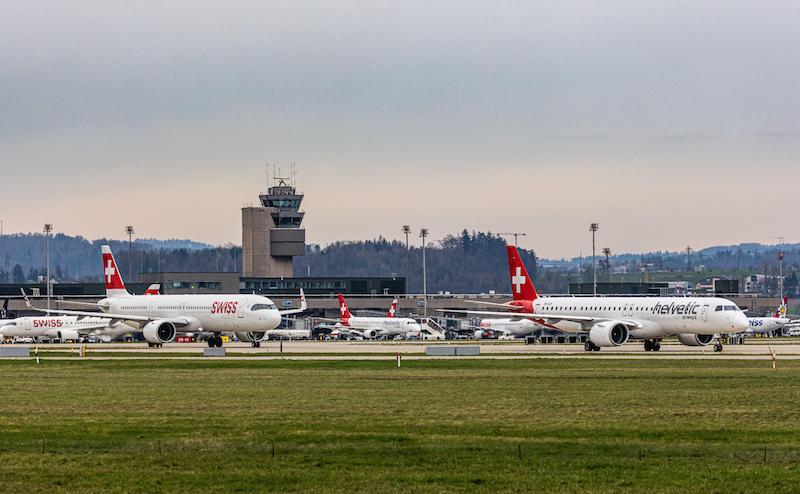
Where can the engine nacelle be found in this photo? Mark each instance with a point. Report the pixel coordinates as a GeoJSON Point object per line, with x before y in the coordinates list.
{"type": "Point", "coordinates": [695, 339]}
{"type": "Point", "coordinates": [159, 332]}
{"type": "Point", "coordinates": [252, 336]}
{"type": "Point", "coordinates": [370, 334]}
{"type": "Point", "coordinates": [609, 333]}
{"type": "Point", "coordinates": [68, 334]}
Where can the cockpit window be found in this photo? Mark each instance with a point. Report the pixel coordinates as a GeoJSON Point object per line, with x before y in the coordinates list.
{"type": "Point", "coordinates": [730, 307]}
{"type": "Point", "coordinates": [263, 307]}
{"type": "Point", "coordinates": [718, 309]}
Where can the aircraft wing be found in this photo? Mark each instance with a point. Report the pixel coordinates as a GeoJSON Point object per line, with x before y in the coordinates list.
{"type": "Point", "coordinates": [481, 302]}
{"type": "Point", "coordinates": [546, 318]}
{"type": "Point", "coordinates": [82, 314]}
{"type": "Point", "coordinates": [303, 306]}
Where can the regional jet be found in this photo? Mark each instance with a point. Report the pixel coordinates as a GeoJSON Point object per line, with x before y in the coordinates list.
{"type": "Point", "coordinates": [612, 321]}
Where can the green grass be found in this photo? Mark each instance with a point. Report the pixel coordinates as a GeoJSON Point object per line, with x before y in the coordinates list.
{"type": "Point", "coordinates": [441, 426]}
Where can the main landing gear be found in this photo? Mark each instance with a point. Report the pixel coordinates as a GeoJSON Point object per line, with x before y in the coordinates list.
{"type": "Point", "coordinates": [652, 345]}
{"type": "Point", "coordinates": [215, 341]}
{"type": "Point", "coordinates": [256, 344]}
{"type": "Point", "coordinates": [591, 347]}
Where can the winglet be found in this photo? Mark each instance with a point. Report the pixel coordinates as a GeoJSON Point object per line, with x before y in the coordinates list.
{"type": "Point", "coordinates": [303, 303]}
{"type": "Point", "coordinates": [27, 300]}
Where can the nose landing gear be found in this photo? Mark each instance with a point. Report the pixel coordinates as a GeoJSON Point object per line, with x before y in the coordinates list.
{"type": "Point", "coordinates": [215, 341]}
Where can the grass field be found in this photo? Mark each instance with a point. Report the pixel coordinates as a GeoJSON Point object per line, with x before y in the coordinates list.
{"type": "Point", "coordinates": [441, 426]}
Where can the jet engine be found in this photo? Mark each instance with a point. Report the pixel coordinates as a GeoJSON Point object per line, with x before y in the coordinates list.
{"type": "Point", "coordinates": [370, 334]}
{"type": "Point", "coordinates": [695, 339]}
{"type": "Point", "coordinates": [251, 336]}
{"type": "Point", "coordinates": [68, 334]}
{"type": "Point", "coordinates": [159, 332]}
{"type": "Point", "coordinates": [609, 333]}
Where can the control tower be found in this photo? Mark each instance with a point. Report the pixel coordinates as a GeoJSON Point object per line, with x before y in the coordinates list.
{"type": "Point", "coordinates": [271, 234]}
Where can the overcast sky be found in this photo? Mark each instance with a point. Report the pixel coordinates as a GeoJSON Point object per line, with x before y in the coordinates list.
{"type": "Point", "coordinates": [670, 123]}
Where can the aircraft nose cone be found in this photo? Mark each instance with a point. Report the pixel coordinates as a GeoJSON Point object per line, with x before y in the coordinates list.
{"type": "Point", "coordinates": [740, 322]}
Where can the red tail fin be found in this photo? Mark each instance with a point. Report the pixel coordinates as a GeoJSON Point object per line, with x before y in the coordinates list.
{"type": "Point", "coordinates": [154, 289]}
{"type": "Point", "coordinates": [392, 309]}
{"type": "Point", "coordinates": [521, 284]}
{"type": "Point", "coordinates": [115, 287]}
{"type": "Point", "coordinates": [344, 312]}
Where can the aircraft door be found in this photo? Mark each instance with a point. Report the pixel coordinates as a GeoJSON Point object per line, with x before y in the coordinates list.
{"type": "Point", "coordinates": [240, 310]}
{"type": "Point", "coordinates": [705, 313]}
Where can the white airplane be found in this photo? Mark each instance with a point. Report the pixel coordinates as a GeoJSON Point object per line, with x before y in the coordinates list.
{"type": "Point", "coordinates": [611, 321]}
{"type": "Point", "coordinates": [63, 328]}
{"type": "Point", "coordinates": [770, 325]}
{"type": "Point", "coordinates": [509, 327]}
{"type": "Point", "coordinates": [373, 327]}
{"type": "Point", "coordinates": [161, 317]}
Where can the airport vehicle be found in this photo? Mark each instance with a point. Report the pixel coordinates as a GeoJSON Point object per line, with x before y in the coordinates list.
{"type": "Point", "coordinates": [162, 317]}
{"type": "Point", "coordinates": [612, 321]}
{"type": "Point", "coordinates": [770, 325]}
{"type": "Point", "coordinates": [373, 327]}
{"type": "Point", "coordinates": [62, 328]}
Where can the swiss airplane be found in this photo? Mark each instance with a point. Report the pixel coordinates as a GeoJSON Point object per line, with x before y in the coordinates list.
{"type": "Point", "coordinates": [161, 317]}
{"type": "Point", "coordinates": [374, 327]}
{"type": "Point", "coordinates": [611, 321]}
{"type": "Point", "coordinates": [61, 327]}
{"type": "Point", "coordinates": [770, 325]}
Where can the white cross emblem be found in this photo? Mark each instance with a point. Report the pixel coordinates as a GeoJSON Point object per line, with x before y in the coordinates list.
{"type": "Point", "coordinates": [343, 309]}
{"type": "Point", "coordinates": [109, 272]}
{"type": "Point", "coordinates": [391, 310]}
{"type": "Point", "coordinates": [518, 280]}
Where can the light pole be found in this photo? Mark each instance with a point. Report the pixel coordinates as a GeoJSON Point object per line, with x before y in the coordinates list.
{"type": "Point", "coordinates": [593, 228]}
{"type": "Point", "coordinates": [607, 253]}
{"type": "Point", "coordinates": [424, 234]}
{"type": "Point", "coordinates": [48, 228]}
{"type": "Point", "coordinates": [407, 232]}
{"type": "Point", "coordinates": [130, 232]}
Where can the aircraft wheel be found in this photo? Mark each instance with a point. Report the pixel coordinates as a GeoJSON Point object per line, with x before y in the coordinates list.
{"type": "Point", "coordinates": [647, 346]}
{"type": "Point", "coordinates": [656, 346]}
{"type": "Point", "coordinates": [588, 346]}
{"type": "Point", "coordinates": [211, 341]}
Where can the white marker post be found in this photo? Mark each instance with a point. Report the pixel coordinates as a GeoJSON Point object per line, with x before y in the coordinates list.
{"type": "Point", "coordinates": [36, 352]}
{"type": "Point", "coordinates": [398, 360]}
{"type": "Point", "coordinates": [774, 358]}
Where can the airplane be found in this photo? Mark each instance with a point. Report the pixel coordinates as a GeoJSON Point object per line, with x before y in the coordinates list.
{"type": "Point", "coordinates": [373, 327]}
{"type": "Point", "coordinates": [162, 317]}
{"type": "Point", "coordinates": [612, 321]}
{"type": "Point", "coordinates": [509, 327]}
{"type": "Point", "coordinates": [770, 325]}
{"type": "Point", "coordinates": [71, 328]}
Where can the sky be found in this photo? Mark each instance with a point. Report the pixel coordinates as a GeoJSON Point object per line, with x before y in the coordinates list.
{"type": "Point", "coordinates": [670, 123]}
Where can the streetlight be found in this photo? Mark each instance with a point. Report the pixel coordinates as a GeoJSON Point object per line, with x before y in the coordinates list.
{"type": "Point", "coordinates": [607, 253]}
{"type": "Point", "coordinates": [424, 233]}
{"type": "Point", "coordinates": [593, 228]}
{"type": "Point", "coordinates": [130, 232]}
{"type": "Point", "coordinates": [48, 228]}
{"type": "Point", "coordinates": [407, 232]}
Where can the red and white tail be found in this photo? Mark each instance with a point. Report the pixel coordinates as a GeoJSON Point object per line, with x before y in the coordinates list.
{"type": "Point", "coordinates": [344, 312]}
{"type": "Point", "coordinates": [115, 287]}
{"type": "Point", "coordinates": [392, 309]}
{"type": "Point", "coordinates": [521, 284]}
{"type": "Point", "coordinates": [154, 289]}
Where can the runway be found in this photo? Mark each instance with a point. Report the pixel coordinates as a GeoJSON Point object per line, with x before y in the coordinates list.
{"type": "Point", "coordinates": [344, 350]}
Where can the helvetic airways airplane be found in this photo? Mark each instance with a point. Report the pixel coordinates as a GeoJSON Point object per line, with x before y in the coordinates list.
{"type": "Point", "coordinates": [374, 327]}
{"type": "Point", "coordinates": [161, 317]}
{"type": "Point", "coordinates": [611, 321]}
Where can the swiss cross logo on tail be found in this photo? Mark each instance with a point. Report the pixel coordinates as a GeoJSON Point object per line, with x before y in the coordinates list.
{"type": "Point", "coordinates": [392, 309]}
{"type": "Point", "coordinates": [110, 271]}
{"type": "Point", "coordinates": [344, 312]}
{"type": "Point", "coordinates": [115, 287]}
{"type": "Point", "coordinates": [521, 283]}
{"type": "Point", "coordinates": [518, 280]}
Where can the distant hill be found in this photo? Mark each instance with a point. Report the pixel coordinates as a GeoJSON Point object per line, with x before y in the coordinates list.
{"type": "Point", "coordinates": [173, 244]}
